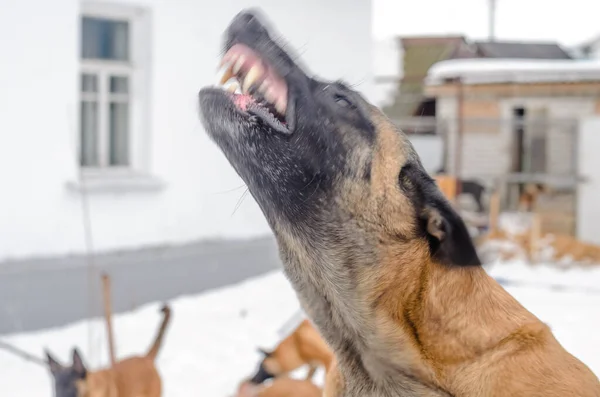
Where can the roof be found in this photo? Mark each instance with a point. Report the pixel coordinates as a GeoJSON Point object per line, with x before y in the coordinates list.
{"type": "Point", "coordinates": [420, 53]}
{"type": "Point", "coordinates": [521, 50]}
{"type": "Point", "coordinates": [486, 71]}
{"type": "Point", "coordinates": [590, 44]}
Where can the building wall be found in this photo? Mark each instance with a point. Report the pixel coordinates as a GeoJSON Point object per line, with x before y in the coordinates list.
{"type": "Point", "coordinates": [487, 138]}
{"type": "Point", "coordinates": [588, 211]}
{"type": "Point", "coordinates": [387, 70]}
{"type": "Point", "coordinates": [41, 212]}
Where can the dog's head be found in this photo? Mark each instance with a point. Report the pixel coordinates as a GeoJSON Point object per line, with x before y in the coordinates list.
{"type": "Point", "coordinates": [67, 379]}
{"type": "Point", "coordinates": [268, 368]}
{"type": "Point", "coordinates": [328, 169]}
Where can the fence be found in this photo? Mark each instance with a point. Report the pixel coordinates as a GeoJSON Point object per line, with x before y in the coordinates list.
{"type": "Point", "coordinates": [505, 155]}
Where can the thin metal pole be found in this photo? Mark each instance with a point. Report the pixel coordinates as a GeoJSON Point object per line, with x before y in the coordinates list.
{"type": "Point", "coordinates": [492, 21]}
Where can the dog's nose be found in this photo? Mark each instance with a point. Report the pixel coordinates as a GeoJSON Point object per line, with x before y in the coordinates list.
{"type": "Point", "coordinates": [247, 21]}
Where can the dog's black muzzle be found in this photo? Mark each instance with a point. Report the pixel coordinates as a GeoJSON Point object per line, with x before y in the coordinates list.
{"type": "Point", "coordinates": [261, 375]}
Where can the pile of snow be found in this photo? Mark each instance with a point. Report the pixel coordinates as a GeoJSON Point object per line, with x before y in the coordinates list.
{"type": "Point", "coordinates": [211, 343]}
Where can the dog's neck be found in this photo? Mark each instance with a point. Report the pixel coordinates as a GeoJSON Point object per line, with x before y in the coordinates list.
{"type": "Point", "coordinates": [385, 320]}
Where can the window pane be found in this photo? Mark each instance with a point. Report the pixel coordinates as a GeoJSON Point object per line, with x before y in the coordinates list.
{"type": "Point", "coordinates": [104, 39]}
{"type": "Point", "coordinates": [88, 156]}
{"type": "Point", "coordinates": [89, 83]}
{"type": "Point", "coordinates": [119, 134]}
{"type": "Point", "coordinates": [119, 85]}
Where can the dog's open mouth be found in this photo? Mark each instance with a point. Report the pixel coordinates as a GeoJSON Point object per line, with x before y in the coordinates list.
{"type": "Point", "coordinates": [257, 89]}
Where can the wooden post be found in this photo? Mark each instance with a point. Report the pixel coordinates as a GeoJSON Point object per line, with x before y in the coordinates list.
{"type": "Point", "coordinates": [494, 213]}
{"type": "Point", "coordinates": [458, 159]}
{"type": "Point", "coordinates": [535, 233]}
{"type": "Point", "coordinates": [108, 317]}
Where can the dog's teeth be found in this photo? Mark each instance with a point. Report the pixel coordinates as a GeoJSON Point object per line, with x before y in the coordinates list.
{"type": "Point", "coordinates": [263, 86]}
{"type": "Point", "coordinates": [280, 106]}
{"type": "Point", "coordinates": [270, 95]}
{"type": "Point", "coordinates": [253, 74]}
{"type": "Point", "coordinates": [233, 87]}
{"type": "Point", "coordinates": [238, 64]}
{"type": "Point", "coordinates": [226, 75]}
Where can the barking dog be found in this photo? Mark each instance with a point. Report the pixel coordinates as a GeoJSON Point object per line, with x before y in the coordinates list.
{"type": "Point", "coordinates": [132, 377]}
{"type": "Point", "coordinates": [379, 259]}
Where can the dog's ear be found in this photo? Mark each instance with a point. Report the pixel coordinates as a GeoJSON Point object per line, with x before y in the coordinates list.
{"type": "Point", "coordinates": [264, 352]}
{"type": "Point", "coordinates": [53, 365]}
{"type": "Point", "coordinates": [78, 365]}
{"type": "Point", "coordinates": [449, 239]}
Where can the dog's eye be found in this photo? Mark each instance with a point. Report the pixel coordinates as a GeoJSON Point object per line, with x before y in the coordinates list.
{"type": "Point", "coordinates": [342, 101]}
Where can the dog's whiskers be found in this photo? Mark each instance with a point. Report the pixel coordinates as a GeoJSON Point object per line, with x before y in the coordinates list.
{"type": "Point", "coordinates": [240, 201]}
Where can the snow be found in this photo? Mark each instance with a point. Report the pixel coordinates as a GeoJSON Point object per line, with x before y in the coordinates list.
{"type": "Point", "coordinates": [211, 343]}
{"type": "Point", "coordinates": [482, 71]}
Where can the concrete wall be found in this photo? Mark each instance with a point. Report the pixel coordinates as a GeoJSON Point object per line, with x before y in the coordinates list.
{"type": "Point", "coordinates": [430, 150]}
{"type": "Point", "coordinates": [40, 215]}
{"type": "Point", "coordinates": [487, 146]}
{"type": "Point", "coordinates": [588, 210]}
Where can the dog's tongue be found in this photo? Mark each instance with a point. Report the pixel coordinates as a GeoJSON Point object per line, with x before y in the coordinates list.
{"type": "Point", "coordinates": [242, 101]}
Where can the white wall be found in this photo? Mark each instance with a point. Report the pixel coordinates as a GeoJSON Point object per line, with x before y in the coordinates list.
{"type": "Point", "coordinates": [387, 69]}
{"type": "Point", "coordinates": [40, 216]}
{"type": "Point", "coordinates": [588, 210]}
{"type": "Point", "coordinates": [430, 149]}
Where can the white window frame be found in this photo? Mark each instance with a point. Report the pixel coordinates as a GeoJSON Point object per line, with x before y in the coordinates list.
{"type": "Point", "coordinates": [137, 70]}
{"type": "Point", "coordinates": [103, 71]}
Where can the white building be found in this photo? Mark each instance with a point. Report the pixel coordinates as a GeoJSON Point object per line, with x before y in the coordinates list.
{"type": "Point", "coordinates": [387, 70]}
{"type": "Point", "coordinates": [113, 86]}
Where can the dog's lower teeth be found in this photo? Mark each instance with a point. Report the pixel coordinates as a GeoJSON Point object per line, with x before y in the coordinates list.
{"type": "Point", "coordinates": [233, 87]}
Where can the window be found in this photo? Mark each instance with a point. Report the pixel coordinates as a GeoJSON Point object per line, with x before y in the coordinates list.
{"type": "Point", "coordinates": [105, 80]}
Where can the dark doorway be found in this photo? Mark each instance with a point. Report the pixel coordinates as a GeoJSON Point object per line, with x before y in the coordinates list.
{"type": "Point", "coordinates": [519, 139]}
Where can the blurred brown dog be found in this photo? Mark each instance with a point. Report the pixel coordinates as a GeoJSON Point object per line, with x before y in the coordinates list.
{"type": "Point", "coordinates": [280, 387]}
{"type": "Point", "coordinates": [529, 197]}
{"type": "Point", "coordinates": [304, 346]}
{"type": "Point", "coordinates": [131, 377]}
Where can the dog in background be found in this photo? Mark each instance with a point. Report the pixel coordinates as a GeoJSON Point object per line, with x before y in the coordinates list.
{"type": "Point", "coordinates": [280, 387]}
{"type": "Point", "coordinates": [529, 197]}
{"type": "Point", "coordinates": [131, 377]}
{"type": "Point", "coordinates": [469, 187]}
{"type": "Point", "coordinates": [381, 262]}
{"type": "Point", "coordinates": [304, 346]}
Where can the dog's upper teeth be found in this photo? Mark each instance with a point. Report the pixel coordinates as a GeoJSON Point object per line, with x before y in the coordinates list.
{"type": "Point", "coordinates": [252, 76]}
{"type": "Point", "coordinates": [280, 106]}
{"type": "Point", "coordinates": [226, 75]}
{"type": "Point", "coordinates": [270, 94]}
{"type": "Point", "coordinates": [238, 64]}
{"type": "Point", "coordinates": [263, 86]}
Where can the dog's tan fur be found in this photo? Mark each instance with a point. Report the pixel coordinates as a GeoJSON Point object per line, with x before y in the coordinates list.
{"type": "Point", "coordinates": [454, 329]}
{"type": "Point", "coordinates": [304, 346]}
{"type": "Point", "coordinates": [280, 387]}
{"type": "Point", "coordinates": [131, 377]}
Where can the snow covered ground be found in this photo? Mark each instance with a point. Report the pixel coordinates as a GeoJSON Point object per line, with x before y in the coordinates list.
{"type": "Point", "coordinates": [211, 343]}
